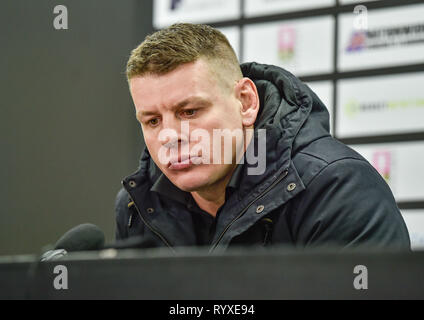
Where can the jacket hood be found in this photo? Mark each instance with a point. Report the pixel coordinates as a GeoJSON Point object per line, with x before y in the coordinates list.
{"type": "Point", "coordinates": [288, 105]}
{"type": "Point", "coordinates": [290, 112]}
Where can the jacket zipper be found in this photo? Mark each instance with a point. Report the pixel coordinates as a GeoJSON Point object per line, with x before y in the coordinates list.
{"type": "Point", "coordinates": [150, 227]}
{"type": "Point", "coordinates": [283, 175]}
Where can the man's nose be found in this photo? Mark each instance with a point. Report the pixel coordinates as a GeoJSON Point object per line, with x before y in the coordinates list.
{"type": "Point", "coordinates": [178, 133]}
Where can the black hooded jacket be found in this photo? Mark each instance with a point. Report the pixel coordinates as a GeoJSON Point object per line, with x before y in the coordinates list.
{"type": "Point", "coordinates": [315, 190]}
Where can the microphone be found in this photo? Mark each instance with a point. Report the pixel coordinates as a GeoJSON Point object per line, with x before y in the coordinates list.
{"type": "Point", "coordinates": [84, 237]}
{"type": "Point", "coordinates": [89, 237]}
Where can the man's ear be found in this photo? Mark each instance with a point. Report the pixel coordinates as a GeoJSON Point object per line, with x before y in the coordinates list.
{"type": "Point", "coordinates": [247, 94]}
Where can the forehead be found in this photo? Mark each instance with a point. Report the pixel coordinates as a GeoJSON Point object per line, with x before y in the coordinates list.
{"type": "Point", "coordinates": [155, 91]}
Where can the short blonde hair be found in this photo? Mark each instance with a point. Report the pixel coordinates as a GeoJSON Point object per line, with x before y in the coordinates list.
{"type": "Point", "coordinates": [181, 43]}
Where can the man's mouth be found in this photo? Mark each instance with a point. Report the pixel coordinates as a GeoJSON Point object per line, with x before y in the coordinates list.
{"type": "Point", "coordinates": [182, 162]}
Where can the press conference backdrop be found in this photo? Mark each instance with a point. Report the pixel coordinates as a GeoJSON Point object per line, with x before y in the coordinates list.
{"type": "Point", "coordinates": [364, 59]}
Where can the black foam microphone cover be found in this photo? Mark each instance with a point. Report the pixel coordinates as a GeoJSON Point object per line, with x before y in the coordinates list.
{"type": "Point", "coordinates": [84, 237]}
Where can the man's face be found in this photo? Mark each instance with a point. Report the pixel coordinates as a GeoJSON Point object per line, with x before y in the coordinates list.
{"type": "Point", "coordinates": [190, 95]}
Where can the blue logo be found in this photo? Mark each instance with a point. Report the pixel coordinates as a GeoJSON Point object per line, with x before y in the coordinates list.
{"type": "Point", "coordinates": [357, 41]}
{"type": "Point", "coordinates": [175, 4]}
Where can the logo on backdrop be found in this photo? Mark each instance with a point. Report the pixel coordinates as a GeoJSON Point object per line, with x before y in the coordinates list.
{"type": "Point", "coordinates": [188, 7]}
{"type": "Point", "coordinates": [353, 107]}
{"type": "Point", "coordinates": [286, 43]}
{"type": "Point", "coordinates": [357, 41]}
{"type": "Point", "coordinates": [385, 38]}
{"type": "Point", "coordinates": [382, 162]}
{"type": "Point", "coordinates": [175, 4]}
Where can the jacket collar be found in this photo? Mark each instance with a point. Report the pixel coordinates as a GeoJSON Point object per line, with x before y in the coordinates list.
{"type": "Point", "coordinates": [166, 188]}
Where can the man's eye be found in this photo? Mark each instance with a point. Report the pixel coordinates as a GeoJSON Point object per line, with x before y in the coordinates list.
{"type": "Point", "coordinates": [189, 112]}
{"type": "Point", "coordinates": [153, 122]}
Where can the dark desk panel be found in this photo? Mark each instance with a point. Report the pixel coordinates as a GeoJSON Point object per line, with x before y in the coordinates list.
{"type": "Point", "coordinates": [193, 274]}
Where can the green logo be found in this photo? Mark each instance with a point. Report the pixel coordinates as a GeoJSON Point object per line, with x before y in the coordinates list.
{"type": "Point", "coordinates": [351, 108]}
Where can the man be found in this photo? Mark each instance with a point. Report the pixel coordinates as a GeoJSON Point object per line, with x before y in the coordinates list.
{"type": "Point", "coordinates": [280, 179]}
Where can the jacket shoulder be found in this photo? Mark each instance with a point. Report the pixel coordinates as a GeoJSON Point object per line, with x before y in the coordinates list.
{"type": "Point", "coordinates": [316, 156]}
{"type": "Point", "coordinates": [348, 203]}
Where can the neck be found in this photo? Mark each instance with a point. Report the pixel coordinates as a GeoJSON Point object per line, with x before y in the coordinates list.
{"type": "Point", "coordinates": [211, 198]}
